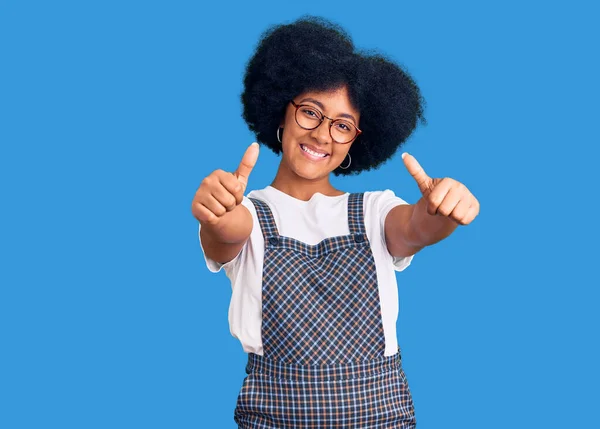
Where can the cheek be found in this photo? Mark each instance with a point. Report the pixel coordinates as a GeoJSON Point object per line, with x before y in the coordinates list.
{"type": "Point", "coordinates": [340, 154]}
{"type": "Point", "coordinates": [289, 121]}
{"type": "Point", "coordinates": [293, 134]}
{"type": "Point", "coordinates": [288, 127]}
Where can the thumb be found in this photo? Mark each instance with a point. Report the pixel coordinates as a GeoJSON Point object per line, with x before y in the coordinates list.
{"type": "Point", "coordinates": [247, 164]}
{"type": "Point", "coordinates": [417, 172]}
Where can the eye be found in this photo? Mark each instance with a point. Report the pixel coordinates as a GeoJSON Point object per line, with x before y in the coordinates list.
{"type": "Point", "coordinates": [343, 126]}
{"type": "Point", "coordinates": [312, 113]}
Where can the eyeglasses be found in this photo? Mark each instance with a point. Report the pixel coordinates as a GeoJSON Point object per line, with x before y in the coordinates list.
{"type": "Point", "coordinates": [309, 118]}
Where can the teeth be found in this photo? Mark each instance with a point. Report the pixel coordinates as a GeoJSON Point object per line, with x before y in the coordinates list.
{"type": "Point", "coordinates": [320, 155]}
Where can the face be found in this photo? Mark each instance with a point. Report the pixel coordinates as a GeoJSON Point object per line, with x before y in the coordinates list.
{"type": "Point", "coordinates": [297, 140]}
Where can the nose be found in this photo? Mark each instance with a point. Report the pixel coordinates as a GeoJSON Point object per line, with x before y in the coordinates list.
{"type": "Point", "coordinates": [321, 133]}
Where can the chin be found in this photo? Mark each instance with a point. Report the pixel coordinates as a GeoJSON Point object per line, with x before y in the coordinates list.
{"type": "Point", "coordinates": [309, 173]}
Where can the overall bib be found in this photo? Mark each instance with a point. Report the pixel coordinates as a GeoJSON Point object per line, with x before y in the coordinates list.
{"type": "Point", "coordinates": [323, 363]}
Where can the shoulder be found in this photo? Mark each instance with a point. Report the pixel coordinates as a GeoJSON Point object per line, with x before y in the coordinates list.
{"type": "Point", "coordinates": [382, 199]}
{"type": "Point", "coordinates": [258, 194]}
{"type": "Point", "coordinates": [265, 195]}
{"type": "Point", "coordinates": [378, 204]}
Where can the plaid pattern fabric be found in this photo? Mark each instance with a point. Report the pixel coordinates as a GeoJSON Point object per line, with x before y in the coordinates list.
{"type": "Point", "coordinates": [323, 343]}
{"type": "Point", "coordinates": [320, 303]}
{"type": "Point", "coordinates": [366, 394]}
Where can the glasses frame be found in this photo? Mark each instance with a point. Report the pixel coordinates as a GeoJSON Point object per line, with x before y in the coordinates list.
{"type": "Point", "coordinates": [331, 122]}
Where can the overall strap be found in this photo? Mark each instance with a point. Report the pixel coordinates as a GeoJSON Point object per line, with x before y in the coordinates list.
{"type": "Point", "coordinates": [265, 218]}
{"type": "Point", "coordinates": [356, 218]}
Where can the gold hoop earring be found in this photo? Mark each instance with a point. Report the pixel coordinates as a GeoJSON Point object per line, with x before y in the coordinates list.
{"type": "Point", "coordinates": [349, 162]}
{"type": "Point", "coordinates": [278, 138]}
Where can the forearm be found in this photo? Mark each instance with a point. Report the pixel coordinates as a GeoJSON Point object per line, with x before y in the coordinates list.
{"type": "Point", "coordinates": [233, 227]}
{"type": "Point", "coordinates": [222, 242]}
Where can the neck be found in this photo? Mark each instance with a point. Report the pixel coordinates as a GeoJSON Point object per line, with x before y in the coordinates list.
{"type": "Point", "coordinates": [301, 188]}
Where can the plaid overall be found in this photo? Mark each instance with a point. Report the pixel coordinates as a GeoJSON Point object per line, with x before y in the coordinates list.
{"type": "Point", "coordinates": [323, 363]}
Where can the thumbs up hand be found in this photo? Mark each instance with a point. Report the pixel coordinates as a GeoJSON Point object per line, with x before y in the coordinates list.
{"type": "Point", "coordinates": [443, 197]}
{"type": "Point", "coordinates": [221, 192]}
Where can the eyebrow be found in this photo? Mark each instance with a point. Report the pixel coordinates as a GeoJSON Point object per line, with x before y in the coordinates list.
{"type": "Point", "coordinates": [318, 103]}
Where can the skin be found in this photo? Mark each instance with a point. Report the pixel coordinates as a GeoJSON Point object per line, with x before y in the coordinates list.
{"type": "Point", "coordinates": [299, 176]}
{"type": "Point", "coordinates": [226, 224]}
{"type": "Point", "coordinates": [445, 204]}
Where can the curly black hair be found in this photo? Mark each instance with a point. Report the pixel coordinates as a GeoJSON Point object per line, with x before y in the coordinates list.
{"type": "Point", "coordinates": [314, 54]}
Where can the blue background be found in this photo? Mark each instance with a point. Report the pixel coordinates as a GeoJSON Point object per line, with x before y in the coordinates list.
{"type": "Point", "coordinates": [111, 113]}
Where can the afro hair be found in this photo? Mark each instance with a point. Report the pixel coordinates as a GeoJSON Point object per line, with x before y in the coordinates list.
{"type": "Point", "coordinates": [313, 54]}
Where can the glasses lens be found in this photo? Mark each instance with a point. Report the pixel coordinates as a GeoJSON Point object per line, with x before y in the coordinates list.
{"type": "Point", "coordinates": [342, 131]}
{"type": "Point", "coordinates": [308, 117]}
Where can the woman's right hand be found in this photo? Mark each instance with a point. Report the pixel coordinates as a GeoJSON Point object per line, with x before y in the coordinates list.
{"type": "Point", "coordinates": [221, 192]}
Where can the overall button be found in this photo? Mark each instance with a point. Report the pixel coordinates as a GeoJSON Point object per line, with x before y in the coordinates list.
{"type": "Point", "coordinates": [359, 238]}
{"type": "Point", "coordinates": [274, 241]}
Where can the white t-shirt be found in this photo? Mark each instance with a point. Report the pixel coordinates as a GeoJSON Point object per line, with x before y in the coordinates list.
{"type": "Point", "coordinates": [310, 222]}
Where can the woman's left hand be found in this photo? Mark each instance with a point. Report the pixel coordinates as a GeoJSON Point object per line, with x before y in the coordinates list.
{"type": "Point", "coordinates": [444, 197]}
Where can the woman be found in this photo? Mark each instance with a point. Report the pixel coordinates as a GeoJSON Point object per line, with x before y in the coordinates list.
{"type": "Point", "coordinates": [314, 295]}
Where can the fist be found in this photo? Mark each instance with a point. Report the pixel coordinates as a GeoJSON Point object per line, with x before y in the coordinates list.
{"type": "Point", "coordinates": [444, 197]}
{"type": "Point", "coordinates": [221, 192]}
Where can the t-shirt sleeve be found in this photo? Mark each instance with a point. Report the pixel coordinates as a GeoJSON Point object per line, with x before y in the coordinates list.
{"type": "Point", "coordinates": [214, 266]}
{"type": "Point", "coordinates": [386, 202]}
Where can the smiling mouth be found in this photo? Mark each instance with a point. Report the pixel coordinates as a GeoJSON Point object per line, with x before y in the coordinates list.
{"type": "Point", "coordinates": [312, 153]}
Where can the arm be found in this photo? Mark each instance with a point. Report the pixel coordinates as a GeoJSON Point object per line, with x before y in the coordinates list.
{"type": "Point", "coordinates": [446, 203]}
{"type": "Point", "coordinates": [225, 224]}
{"type": "Point", "coordinates": [408, 229]}
{"type": "Point", "coordinates": [223, 242]}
